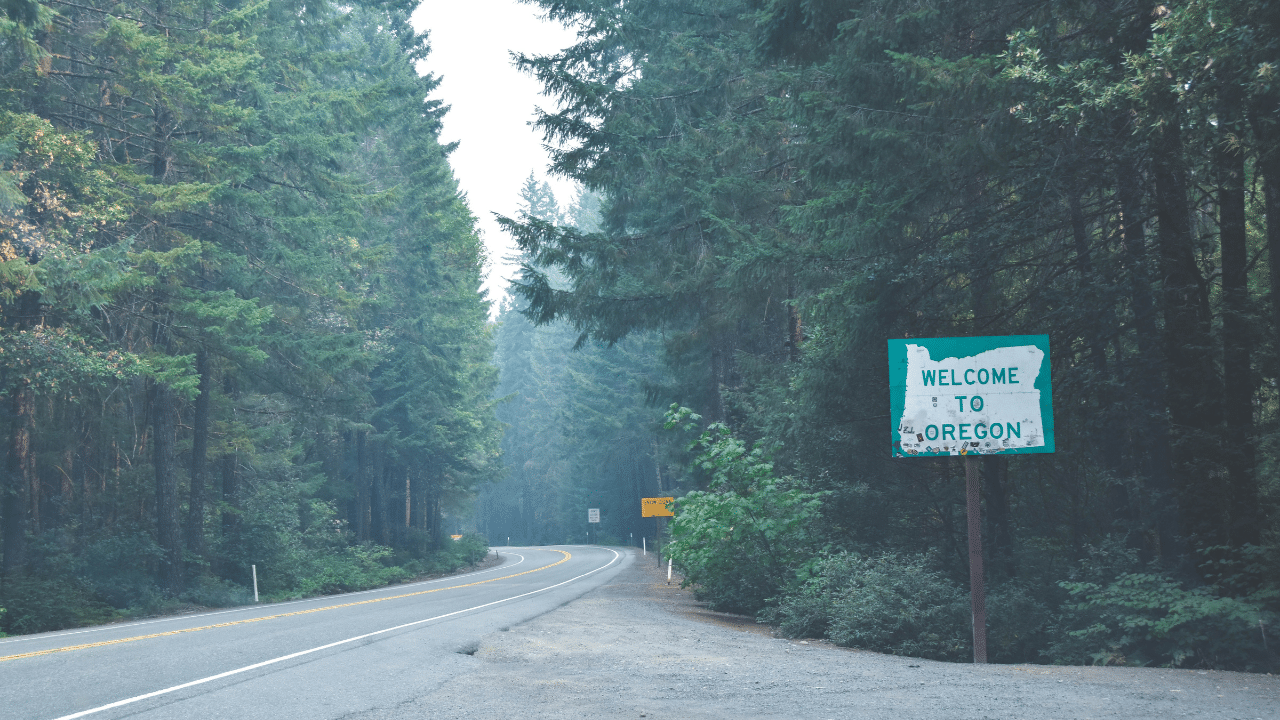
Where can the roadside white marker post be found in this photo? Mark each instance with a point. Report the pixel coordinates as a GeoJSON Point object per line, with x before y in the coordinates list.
{"type": "Point", "coordinates": [668, 569]}
{"type": "Point", "coordinates": [644, 545]}
{"type": "Point", "coordinates": [255, 582]}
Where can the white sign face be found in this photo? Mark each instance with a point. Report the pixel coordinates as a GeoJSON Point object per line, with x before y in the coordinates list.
{"type": "Point", "coordinates": [593, 515]}
{"type": "Point", "coordinates": [989, 401]}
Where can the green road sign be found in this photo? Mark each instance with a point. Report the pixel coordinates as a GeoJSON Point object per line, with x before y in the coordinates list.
{"type": "Point", "coordinates": [970, 395]}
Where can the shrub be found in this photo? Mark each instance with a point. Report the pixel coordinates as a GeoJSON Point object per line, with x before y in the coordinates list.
{"type": "Point", "coordinates": [119, 567]}
{"type": "Point", "coordinates": [1152, 619]}
{"type": "Point", "coordinates": [740, 542]}
{"type": "Point", "coordinates": [353, 567]}
{"type": "Point", "coordinates": [210, 591]}
{"type": "Point", "coordinates": [1017, 623]}
{"type": "Point", "coordinates": [35, 604]}
{"type": "Point", "coordinates": [895, 604]}
{"type": "Point", "coordinates": [806, 610]}
{"type": "Point", "coordinates": [468, 550]}
{"type": "Point", "coordinates": [889, 603]}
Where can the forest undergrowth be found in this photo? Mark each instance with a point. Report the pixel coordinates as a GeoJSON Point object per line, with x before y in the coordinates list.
{"type": "Point", "coordinates": [103, 583]}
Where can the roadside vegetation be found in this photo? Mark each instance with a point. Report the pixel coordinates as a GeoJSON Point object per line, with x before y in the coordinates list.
{"type": "Point", "coordinates": [241, 320]}
{"type": "Point", "coordinates": [784, 185]}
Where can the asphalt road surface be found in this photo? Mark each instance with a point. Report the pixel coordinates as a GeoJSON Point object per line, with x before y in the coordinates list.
{"type": "Point", "coordinates": [328, 657]}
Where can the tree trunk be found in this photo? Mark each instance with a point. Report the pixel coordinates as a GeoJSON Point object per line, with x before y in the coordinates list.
{"type": "Point", "coordinates": [1237, 375]}
{"type": "Point", "coordinates": [362, 487]}
{"type": "Point", "coordinates": [433, 504]}
{"type": "Point", "coordinates": [15, 505]}
{"type": "Point", "coordinates": [1269, 165]}
{"type": "Point", "coordinates": [230, 493]}
{"type": "Point", "coordinates": [230, 480]}
{"type": "Point", "coordinates": [199, 458]}
{"type": "Point", "coordinates": [35, 486]}
{"type": "Point", "coordinates": [1108, 438]}
{"type": "Point", "coordinates": [1195, 409]}
{"type": "Point", "coordinates": [717, 382]}
{"type": "Point", "coordinates": [168, 527]}
{"type": "Point", "coordinates": [380, 500]}
{"type": "Point", "coordinates": [1152, 429]}
{"type": "Point", "coordinates": [995, 478]}
{"type": "Point", "coordinates": [67, 492]}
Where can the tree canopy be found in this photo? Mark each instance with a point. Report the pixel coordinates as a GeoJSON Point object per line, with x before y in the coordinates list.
{"type": "Point", "coordinates": [787, 184]}
{"type": "Point", "coordinates": [242, 316]}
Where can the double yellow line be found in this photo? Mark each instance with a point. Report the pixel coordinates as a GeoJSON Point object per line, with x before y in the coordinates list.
{"type": "Point", "coordinates": [104, 643]}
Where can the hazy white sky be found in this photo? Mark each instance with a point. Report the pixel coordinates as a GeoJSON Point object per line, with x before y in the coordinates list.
{"type": "Point", "coordinates": [491, 104]}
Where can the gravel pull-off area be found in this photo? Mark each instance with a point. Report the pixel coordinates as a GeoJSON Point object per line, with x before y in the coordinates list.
{"type": "Point", "coordinates": [639, 648]}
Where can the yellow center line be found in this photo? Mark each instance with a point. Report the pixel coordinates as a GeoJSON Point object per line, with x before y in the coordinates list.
{"type": "Point", "coordinates": [281, 615]}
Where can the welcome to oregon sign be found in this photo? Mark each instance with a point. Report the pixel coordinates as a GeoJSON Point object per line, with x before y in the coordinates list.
{"type": "Point", "coordinates": [970, 395]}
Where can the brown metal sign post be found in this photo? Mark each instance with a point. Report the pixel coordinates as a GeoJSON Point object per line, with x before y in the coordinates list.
{"type": "Point", "coordinates": [969, 397]}
{"type": "Point", "coordinates": [977, 591]}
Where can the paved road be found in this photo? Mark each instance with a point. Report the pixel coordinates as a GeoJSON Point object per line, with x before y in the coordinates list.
{"type": "Point", "coordinates": [321, 658]}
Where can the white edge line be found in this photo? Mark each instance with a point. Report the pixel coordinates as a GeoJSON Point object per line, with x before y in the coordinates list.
{"type": "Point", "coordinates": [260, 606]}
{"type": "Point", "coordinates": [282, 658]}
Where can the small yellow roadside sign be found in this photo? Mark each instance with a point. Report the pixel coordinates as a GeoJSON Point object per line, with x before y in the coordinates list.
{"type": "Point", "coordinates": [456, 537]}
{"type": "Point", "coordinates": [656, 507]}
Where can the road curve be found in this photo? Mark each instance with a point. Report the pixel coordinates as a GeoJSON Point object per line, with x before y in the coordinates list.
{"type": "Point", "coordinates": [326, 657]}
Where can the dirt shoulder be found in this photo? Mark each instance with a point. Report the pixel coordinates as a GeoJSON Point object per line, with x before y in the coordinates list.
{"type": "Point", "coordinates": [638, 647]}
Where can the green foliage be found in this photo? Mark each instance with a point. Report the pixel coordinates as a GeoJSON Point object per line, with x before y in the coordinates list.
{"type": "Point", "coordinates": [889, 603]}
{"type": "Point", "coordinates": [785, 185]}
{"type": "Point", "coordinates": [1019, 621]}
{"type": "Point", "coordinates": [119, 566]}
{"type": "Point", "coordinates": [467, 550]}
{"type": "Point", "coordinates": [35, 604]}
{"type": "Point", "coordinates": [739, 541]}
{"type": "Point", "coordinates": [1152, 619]}
{"type": "Point", "coordinates": [352, 567]}
{"type": "Point", "coordinates": [214, 592]}
{"type": "Point", "coordinates": [581, 429]}
{"type": "Point", "coordinates": [240, 299]}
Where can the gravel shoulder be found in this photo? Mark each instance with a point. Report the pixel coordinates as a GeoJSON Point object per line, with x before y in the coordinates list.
{"type": "Point", "coordinates": [637, 647]}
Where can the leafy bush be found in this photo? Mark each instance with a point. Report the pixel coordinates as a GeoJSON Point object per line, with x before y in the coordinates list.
{"type": "Point", "coordinates": [1017, 623]}
{"type": "Point", "coordinates": [119, 567]}
{"type": "Point", "coordinates": [468, 550]}
{"type": "Point", "coordinates": [889, 603]}
{"type": "Point", "coordinates": [896, 604]}
{"type": "Point", "coordinates": [210, 591]}
{"type": "Point", "coordinates": [354, 567]}
{"type": "Point", "coordinates": [36, 604]}
{"type": "Point", "coordinates": [298, 544]}
{"type": "Point", "coordinates": [1152, 619]}
{"type": "Point", "coordinates": [807, 609]}
{"type": "Point", "coordinates": [740, 542]}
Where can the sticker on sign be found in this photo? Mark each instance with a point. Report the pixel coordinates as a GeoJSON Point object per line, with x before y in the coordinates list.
{"type": "Point", "coordinates": [656, 507]}
{"type": "Point", "coordinates": [978, 395]}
